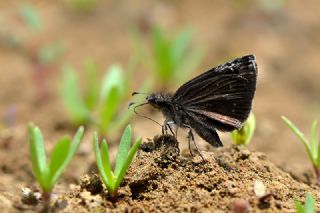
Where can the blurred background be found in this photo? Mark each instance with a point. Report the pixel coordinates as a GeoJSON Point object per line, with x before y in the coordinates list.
{"type": "Point", "coordinates": [72, 62]}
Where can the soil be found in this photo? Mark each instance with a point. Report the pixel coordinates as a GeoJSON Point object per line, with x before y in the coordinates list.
{"type": "Point", "coordinates": [285, 42]}
{"type": "Point", "coordinates": [160, 180]}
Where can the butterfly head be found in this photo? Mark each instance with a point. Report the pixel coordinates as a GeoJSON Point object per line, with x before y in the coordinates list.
{"type": "Point", "coordinates": [157, 100]}
{"type": "Point", "coordinates": [154, 99]}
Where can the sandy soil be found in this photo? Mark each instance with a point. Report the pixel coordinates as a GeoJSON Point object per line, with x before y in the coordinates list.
{"type": "Point", "coordinates": [160, 180]}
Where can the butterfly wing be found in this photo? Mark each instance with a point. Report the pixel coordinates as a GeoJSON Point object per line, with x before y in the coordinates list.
{"type": "Point", "coordinates": [221, 97]}
{"type": "Point", "coordinates": [204, 128]}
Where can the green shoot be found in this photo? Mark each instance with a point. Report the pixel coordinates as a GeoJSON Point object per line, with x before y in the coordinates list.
{"type": "Point", "coordinates": [312, 145]}
{"type": "Point", "coordinates": [82, 6]}
{"type": "Point", "coordinates": [48, 173]}
{"type": "Point", "coordinates": [31, 17]}
{"type": "Point", "coordinates": [72, 97]}
{"type": "Point", "coordinates": [113, 179]}
{"type": "Point", "coordinates": [243, 136]}
{"type": "Point", "coordinates": [100, 101]}
{"type": "Point", "coordinates": [171, 59]}
{"type": "Point", "coordinates": [309, 205]}
{"type": "Point", "coordinates": [50, 53]}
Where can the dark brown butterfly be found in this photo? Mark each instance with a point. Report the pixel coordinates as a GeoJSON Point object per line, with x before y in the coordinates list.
{"type": "Point", "coordinates": [220, 98]}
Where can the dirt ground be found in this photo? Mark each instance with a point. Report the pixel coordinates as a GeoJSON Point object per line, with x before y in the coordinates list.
{"type": "Point", "coordinates": [285, 43]}
{"type": "Point", "coordinates": [159, 180]}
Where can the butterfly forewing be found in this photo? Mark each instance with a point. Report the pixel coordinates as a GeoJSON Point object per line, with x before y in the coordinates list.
{"type": "Point", "coordinates": [222, 96]}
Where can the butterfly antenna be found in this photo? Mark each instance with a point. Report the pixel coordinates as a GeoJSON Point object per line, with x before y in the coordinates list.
{"type": "Point", "coordinates": [131, 104]}
{"type": "Point", "coordinates": [139, 93]}
{"type": "Point", "coordinates": [134, 110]}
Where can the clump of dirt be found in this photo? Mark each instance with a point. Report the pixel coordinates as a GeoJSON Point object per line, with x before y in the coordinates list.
{"type": "Point", "coordinates": [160, 179]}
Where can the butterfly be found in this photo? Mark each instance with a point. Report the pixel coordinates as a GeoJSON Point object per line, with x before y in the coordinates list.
{"type": "Point", "coordinates": [219, 99]}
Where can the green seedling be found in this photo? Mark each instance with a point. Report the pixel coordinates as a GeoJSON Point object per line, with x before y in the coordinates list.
{"type": "Point", "coordinates": [49, 53]}
{"type": "Point", "coordinates": [100, 101]}
{"type": "Point", "coordinates": [309, 205]}
{"type": "Point", "coordinates": [82, 6]}
{"type": "Point", "coordinates": [171, 59]}
{"type": "Point", "coordinates": [48, 173]}
{"type": "Point", "coordinates": [312, 145]}
{"type": "Point", "coordinates": [30, 16]}
{"type": "Point", "coordinates": [243, 136]}
{"type": "Point", "coordinates": [113, 179]}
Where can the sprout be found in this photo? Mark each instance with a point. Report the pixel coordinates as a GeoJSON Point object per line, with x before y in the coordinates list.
{"type": "Point", "coordinates": [82, 6]}
{"type": "Point", "coordinates": [100, 103]}
{"type": "Point", "coordinates": [309, 205]}
{"type": "Point", "coordinates": [113, 179]}
{"type": "Point", "coordinates": [47, 174]}
{"type": "Point", "coordinates": [30, 16]}
{"type": "Point", "coordinates": [171, 59]}
{"type": "Point", "coordinates": [243, 136]}
{"type": "Point", "coordinates": [312, 146]}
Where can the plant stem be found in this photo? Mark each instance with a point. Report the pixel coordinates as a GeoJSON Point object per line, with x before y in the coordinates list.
{"type": "Point", "coordinates": [46, 197]}
{"type": "Point", "coordinates": [113, 198]}
{"type": "Point", "coordinates": [317, 171]}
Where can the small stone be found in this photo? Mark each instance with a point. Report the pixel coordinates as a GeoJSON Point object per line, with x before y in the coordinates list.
{"type": "Point", "coordinates": [29, 197]}
{"type": "Point", "coordinates": [240, 206]}
{"type": "Point", "coordinates": [259, 188]}
{"type": "Point", "coordinates": [91, 183]}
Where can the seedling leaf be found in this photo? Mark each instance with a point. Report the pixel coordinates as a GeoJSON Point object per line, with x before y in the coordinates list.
{"type": "Point", "coordinates": [72, 97]}
{"type": "Point", "coordinates": [299, 206]}
{"type": "Point", "coordinates": [99, 160]}
{"type": "Point", "coordinates": [110, 107]}
{"type": "Point", "coordinates": [314, 139]}
{"type": "Point", "coordinates": [297, 132]}
{"type": "Point", "coordinates": [38, 155]}
{"type": "Point", "coordinates": [180, 45]}
{"type": "Point", "coordinates": [58, 155]}
{"type": "Point", "coordinates": [162, 55]}
{"type": "Point", "coordinates": [73, 148]}
{"type": "Point", "coordinates": [243, 136]}
{"type": "Point", "coordinates": [106, 162]}
{"type": "Point", "coordinates": [50, 52]}
{"type": "Point", "coordinates": [76, 141]}
{"type": "Point", "coordinates": [309, 204]}
{"type": "Point", "coordinates": [127, 162]}
{"type": "Point", "coordinates": [123, 160]}
{"type": "Point", "coordinates": [123, 150]}
{"type": "Point", "coordinates": [31, 16]}
{"type": "Point", "coordinates": [113, 79]}
{"type": "Point", "coordinates": [312, 146]}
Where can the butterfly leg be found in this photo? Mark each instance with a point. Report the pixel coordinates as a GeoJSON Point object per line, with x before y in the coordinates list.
{"type": "Point", "coordinates": [164, 129]}
{"type": "Point", "coordinates": [189, 144]}
{"type": "Point", "coordinates": [167, 126]}
{"type": "Point", "coordinates": [191, 138]}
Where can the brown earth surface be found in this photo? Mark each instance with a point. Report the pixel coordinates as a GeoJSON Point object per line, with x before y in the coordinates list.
{"type": "Point", "coordinates": [160, 180]}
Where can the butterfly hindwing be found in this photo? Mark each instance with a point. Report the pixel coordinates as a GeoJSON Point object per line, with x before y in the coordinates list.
{"type": "Point", "coordinates": [204, 128]}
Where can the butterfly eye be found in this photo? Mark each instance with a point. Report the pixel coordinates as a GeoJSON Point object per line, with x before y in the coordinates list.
{"type": "Point", "coordinates": [151, 99]}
